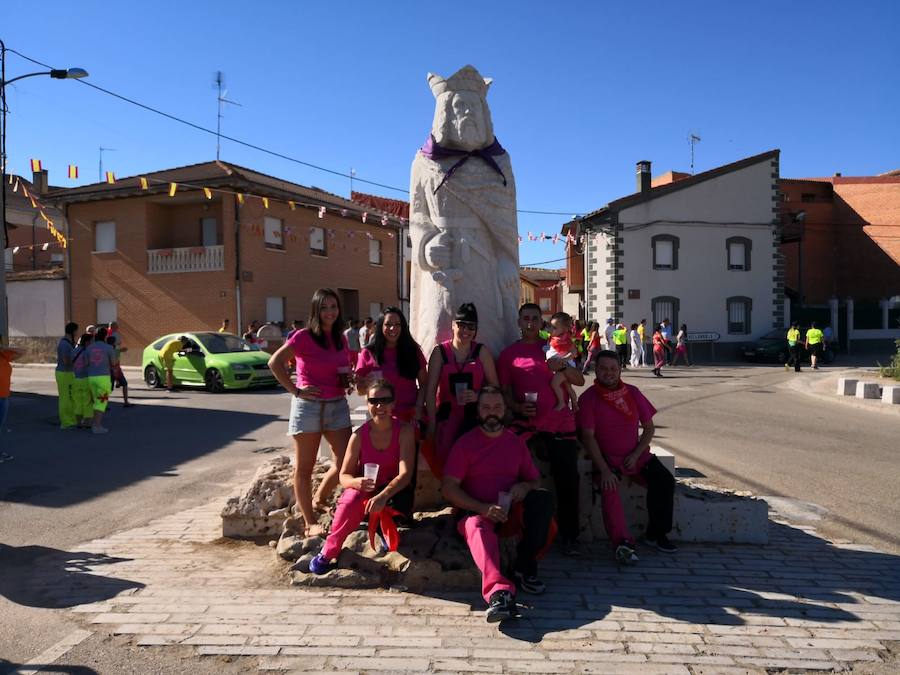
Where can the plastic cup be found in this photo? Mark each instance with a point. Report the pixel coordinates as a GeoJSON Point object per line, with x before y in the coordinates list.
{"type": "Point", "coordinates": [504, 500]}
{"type": "Point", "coordinates": [370, 472]}
{"type": "Point", "coordinates": [461, 389]}
{"type": "Point", "coordinates": [531, 397]}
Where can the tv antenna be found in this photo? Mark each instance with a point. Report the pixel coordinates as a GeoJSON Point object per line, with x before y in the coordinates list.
{"type": "Point", "coordinates": [221, 97]}
{"type": "Point", "coordinates": [101, 149]}
{"type": "Point", "coordinates": [693, 139]}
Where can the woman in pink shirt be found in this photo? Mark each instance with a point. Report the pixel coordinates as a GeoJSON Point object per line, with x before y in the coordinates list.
{"type": "Point", "coordinates": [319, 404]}
{"type": "Point", "coordinates": [457, 369]}
{"type": "Point", "coordinates": [383, 441]}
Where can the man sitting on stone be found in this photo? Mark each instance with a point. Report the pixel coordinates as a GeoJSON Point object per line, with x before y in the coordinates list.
{"type": "Point", "coordinates": [490, 477]}
{"type": "Point", "coordinates": [609, 414]}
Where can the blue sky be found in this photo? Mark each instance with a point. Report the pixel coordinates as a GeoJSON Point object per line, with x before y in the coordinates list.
{"type": "Point", "coordinates": [581, 90]}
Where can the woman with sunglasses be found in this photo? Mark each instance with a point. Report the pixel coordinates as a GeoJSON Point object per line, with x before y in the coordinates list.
{"type": "Point", "coordinates": [384, 441]}
{"type": "Point", "coordinates": [318, 404]}
{"type": "Point", "coordinates": [457, 369]}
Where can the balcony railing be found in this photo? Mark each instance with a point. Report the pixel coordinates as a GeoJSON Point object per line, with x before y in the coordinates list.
{"type": "Point", "coordinates": [189, 259]}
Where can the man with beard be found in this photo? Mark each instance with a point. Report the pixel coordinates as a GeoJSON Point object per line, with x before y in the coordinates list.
{"type": "Point", "coordinates": [609, 414]}
{"type": "Point", "coordinates": [490, 478]}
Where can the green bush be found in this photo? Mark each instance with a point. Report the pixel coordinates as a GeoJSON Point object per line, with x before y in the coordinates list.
{"type": "Point", "coordinates": [893, 368]}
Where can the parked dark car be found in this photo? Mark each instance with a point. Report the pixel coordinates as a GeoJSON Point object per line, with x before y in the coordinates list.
{"type": "Point", "coordinates": [773, 348]}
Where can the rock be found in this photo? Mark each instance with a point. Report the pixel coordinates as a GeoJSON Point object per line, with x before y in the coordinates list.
{"type": "Point", "coordinates": [337, 578]}
{"type": "Point", "coordinates": [425, 573]}
{"type": "Point", "coordinates": [291, 547]}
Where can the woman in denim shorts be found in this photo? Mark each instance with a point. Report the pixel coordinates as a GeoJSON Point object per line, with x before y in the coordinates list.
{"type": "Point", "coordinates": [319, 404]}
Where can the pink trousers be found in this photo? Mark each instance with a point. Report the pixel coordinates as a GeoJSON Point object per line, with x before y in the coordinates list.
{"type": "Point", "coordinates": [481, 536]}
{"type": "Point", "coordinates": [347, 516]}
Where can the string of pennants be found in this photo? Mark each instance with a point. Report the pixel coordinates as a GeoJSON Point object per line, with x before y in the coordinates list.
{"type": "Point", "coordinates": [36, 204]}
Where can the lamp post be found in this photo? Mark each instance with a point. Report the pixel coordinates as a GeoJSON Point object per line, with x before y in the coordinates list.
{"type": "Point", "coordinates": [56, 74]}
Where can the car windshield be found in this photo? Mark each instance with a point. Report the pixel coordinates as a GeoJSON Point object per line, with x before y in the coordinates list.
{"type": "Point", "coordinates": [222, 343]}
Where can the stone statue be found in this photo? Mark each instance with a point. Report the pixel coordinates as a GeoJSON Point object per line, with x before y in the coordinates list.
{"type": "Point", "coordinates": [463, 219]}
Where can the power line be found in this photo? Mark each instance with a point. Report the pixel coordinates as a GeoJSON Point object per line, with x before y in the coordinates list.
{"type": "Point", "coordinates": [247, 144]}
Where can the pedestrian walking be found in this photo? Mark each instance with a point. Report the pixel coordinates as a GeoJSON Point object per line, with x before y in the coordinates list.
{"type": "Point", "coordinates": [593, 346]}
{"type": "Point", "coordinates": [620, 339]}
{"type": "Point", "coordinates": [101, 360]}
{"type": "Point", "coordinates": [669, 336]}
{"type": "Point", "coordinates": [318, 400]}
{"type": "Point", "coordinates": [642, 332]}
{"type": "Point", "coordinates": [659, 350]}
{"type": "Point", "coordinates": [814, 340]}
{"type": "Point", "coordinates": [681, 350]}
{"type": "Point", "coordinates": [81, 390]}
{"type": "Point", "coordinates": [114, 338]}
{"type": "Point", "coordinates": [793, 340]}
{"type": "Point", "coordinates": [637, 349]}
{"type": "Point", "coordinates": [64, 377]}
{"type": "Point", "coordinates": [609, 343]}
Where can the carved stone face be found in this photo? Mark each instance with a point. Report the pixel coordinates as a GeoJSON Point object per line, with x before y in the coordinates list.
{"type": "Point", "coordinates": [462, 120]}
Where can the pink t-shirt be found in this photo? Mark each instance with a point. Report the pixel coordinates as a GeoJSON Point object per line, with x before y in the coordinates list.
{"type": "Point", "coordinates": [405, 390]}
{"type": "Point", "coordinates": [616, 433]}
{"type": "Point", "coordinates": [388, 460]}
{"type": "Point", "coordinates": [523, 367]}
{"type": "Point", "coordinates": [318, 367]}
{"type": "Point", "coordinates": [487, 466]}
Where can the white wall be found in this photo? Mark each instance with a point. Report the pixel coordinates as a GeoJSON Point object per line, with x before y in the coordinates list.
{"type": "Point", "coordinates": [36, 308]}
{"type": "Point", "coordinates": [738, 203]}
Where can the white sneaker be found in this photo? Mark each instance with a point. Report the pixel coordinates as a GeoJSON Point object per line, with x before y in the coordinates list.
{"type": "Point", "coordinates": [99, 430]}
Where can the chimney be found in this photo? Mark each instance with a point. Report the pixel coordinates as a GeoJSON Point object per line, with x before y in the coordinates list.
{"type": "Point", "coordinates": [643, 176]}
{"type": "Point", "coordinates": [39, 180]}
{"type": "Point", "coordinates": [837, 174]}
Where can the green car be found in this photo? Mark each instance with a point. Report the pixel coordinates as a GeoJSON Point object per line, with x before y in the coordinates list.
{"type": "Point", "coordinates": [217, 361]}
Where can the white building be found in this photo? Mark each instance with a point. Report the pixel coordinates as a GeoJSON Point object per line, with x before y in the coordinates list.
{"type": "Point", "coordinates": [699, 250]}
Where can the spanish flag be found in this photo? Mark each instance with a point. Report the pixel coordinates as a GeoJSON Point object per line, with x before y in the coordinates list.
{"type": "Point", "coordinates": [73, 171]}
{"type": "Point", "coordinates": [35, 165]}
{"type": "Point", "coordinates": [265, 202]}
{"type": "Point", "coordinates": [207, 192]}
{"type": "Point", "coordinates": [172, 188]}
{"type": "Point", "coordinates": [240, 198]}
{"type": "Point", "coordinates": [144, 184]}
{"type": "Point", "coordinates": [110, 177]}
{"type": "Point", "coordinates": [293, 206]}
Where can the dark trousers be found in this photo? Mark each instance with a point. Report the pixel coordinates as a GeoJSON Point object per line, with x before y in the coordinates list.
{"type": "Point", "coordinates": [404, 501]}
{"type": "Point", "coordinates": [562, 455]}
{"type": "Point", "coordinates": [536, 517]}
{"type": "Point", "coordinates": [795, 357]}
{"type": "Point", "coordinates": [622, 351]}
{"type": "Point", "coordinates": [660, 497]}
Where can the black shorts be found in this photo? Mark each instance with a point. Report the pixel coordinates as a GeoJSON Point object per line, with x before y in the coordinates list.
{"type": "Point", "coordinates": [816, 349]}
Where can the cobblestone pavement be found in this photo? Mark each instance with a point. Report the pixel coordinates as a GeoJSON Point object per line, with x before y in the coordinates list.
{"type": "Point", "coordinates": [799, 603]}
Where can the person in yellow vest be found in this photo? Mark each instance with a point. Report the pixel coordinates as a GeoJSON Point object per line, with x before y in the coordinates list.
{"type": "Point", "coordinates": [793, 340]}
{"type": "Point", "coordinates": [642, 333]}
{"type": "Point", "coordinates": [814, 340]}
{"type": "Point", "coordinates": [620, 338]}
{"type": "Point", "coordinates": [167, 356]}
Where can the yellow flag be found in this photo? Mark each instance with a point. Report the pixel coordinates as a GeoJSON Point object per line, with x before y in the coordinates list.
{"type": "Point", "coordinates": [144, 184]}
{"type": "Point", "coordinates": [110, 177]}
{"type": "Point", "coordinates": [73, 171]}
{"type": "Point", "coordinates": [35, 165]}
{"type": "Point", "coordinates": [240, 198]}
{"type": "Point", "coordinates": [266, 202]}
{"type": "Point", "coordinates": [293, 206]}
{"type": "Point", "coordinates": [207, 192]}
{"type": "Point", "coordinates": [172, 188]}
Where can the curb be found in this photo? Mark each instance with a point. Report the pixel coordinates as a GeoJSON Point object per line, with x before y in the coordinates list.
{"type": "Point", "coordinates": [805, 386]}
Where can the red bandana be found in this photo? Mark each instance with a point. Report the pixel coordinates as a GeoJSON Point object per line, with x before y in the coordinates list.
{"type": "Point", "coordinates": [619, 399]}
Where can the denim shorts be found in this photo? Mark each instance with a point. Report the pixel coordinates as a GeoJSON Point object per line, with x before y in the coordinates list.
{"type": "Point", "coordinates": [313, 417]}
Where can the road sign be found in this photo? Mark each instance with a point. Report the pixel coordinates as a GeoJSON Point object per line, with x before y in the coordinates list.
{"type": "Point", "coordinates": [709, 336]}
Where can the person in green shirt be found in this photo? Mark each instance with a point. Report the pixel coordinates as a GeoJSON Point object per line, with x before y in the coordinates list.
{"type": "Point", "coordinates": [793, 340]}
{"type": "Point", "coordinates": [620, 338]}
{"type": "Point", "coordinates": [814, 340]}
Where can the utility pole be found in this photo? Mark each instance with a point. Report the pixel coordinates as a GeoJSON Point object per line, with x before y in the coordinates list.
{"type": "Point", "coordinates": [693, 139]}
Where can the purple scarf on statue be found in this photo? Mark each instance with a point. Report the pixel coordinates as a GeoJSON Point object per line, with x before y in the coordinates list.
{"type": "Point", "coordinates": [432, 150]}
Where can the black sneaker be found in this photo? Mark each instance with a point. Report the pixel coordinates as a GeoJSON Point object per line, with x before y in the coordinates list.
{"type": "Point", "coordinates": [661, 543]}
{"type": "Point", "coordinates": [625, 554]}
{"type": "Point", "coordinates": [529, 583]}
{"type": "Point", "coordinates": [501, 607]}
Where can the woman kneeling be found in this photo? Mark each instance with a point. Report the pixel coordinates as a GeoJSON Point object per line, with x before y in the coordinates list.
{"type": "Point", "coordinates": [382, 447]}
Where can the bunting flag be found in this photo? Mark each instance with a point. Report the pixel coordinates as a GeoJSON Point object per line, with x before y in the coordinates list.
{"type": "Point", "coordinates": [321, 212]}
{"type": "Point", "coordinates": [15, 249]}
{"type": "Point", "coordinates": [207, 192]}
{"type": "Point", "coordinates": [73, 172]}
{"type": "Point", "coordinates": [45, 246]}
{"type": "Point", "coordinates": [16, 186]}
{"type": "Point", "coordinates": [240, 198]}
{"type": "Point", "coordinates": [110, 178]}
{"type": "Point", "coordinates": [384, 220]}
{"type": "Point", "coordinates": [343, 213]}
{"type": "Point", "coordinates": [292, 206]}
{"type": "Point", "coordinates": [265, 202]}
{"type": "Point", "coordinates": [35, 165]}
{"type": "Point", "coordinates": [145, 185]}
{"type": "Point", "coordinates": [172, 188]}
{"type": "Point", "coordinates": [364, 216]}
{"type": "Point", "coordinates": [33, 203]}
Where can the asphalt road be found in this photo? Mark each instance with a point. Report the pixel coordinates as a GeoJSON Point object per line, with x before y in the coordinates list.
{"type": "Point", "coordinates": [740, 426]}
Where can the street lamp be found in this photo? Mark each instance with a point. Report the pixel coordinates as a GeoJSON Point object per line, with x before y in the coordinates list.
{"type": "Point", "coordinates": [56, 74]}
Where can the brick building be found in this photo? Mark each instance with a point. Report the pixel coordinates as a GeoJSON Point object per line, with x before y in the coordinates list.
{"type": "Point", "coordinates": [253, 247]}
{"type": "Point", "coordinates": [31, 247]}
{"type": "Point", "coordinates": [548, 289]}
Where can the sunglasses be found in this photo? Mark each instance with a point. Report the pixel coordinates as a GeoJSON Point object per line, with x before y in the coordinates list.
{"type": "Point", "coordinates": [467, 325]}
{"type": "Point", "coordinates": [383, 400]}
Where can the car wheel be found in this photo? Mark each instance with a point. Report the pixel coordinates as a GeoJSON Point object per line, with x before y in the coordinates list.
{"type": "Point", "coordinates": [215, 384]}
{"type": "Point", "coordinates": [152, 378]}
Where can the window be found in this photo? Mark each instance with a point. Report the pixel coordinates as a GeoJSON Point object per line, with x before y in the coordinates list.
{"type": "Point", "coordinates": [107, 310]}
{"type": "Point", "coordinates": [209, 234]}
{"type": "Point", "coordinates": [738, 309]}
{"type": "Point", "coordinates": [738, 252]}
{"type": "Point", "coordinates": [274, 237]}
{"type": "Point", "coordinates": [8, 259]}
{"type": "Point", "coordinates": [317, 241]}
{"type": "Point", "coordinates": [374, 251]}
{"type": "Point", "coordinates": [545, 304]}
{"type": "Point", "coordinates": [105, 237]}
{"type": "Point", "coordinates": [274, 310]}
{"type": "Point", "coordinates": [665, 307]}
{"type": "Point", "coordinates": [665, 252]}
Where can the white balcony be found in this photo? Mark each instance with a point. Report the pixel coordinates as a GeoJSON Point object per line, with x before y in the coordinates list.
{"type": "Point", "coordinates": [188, 259]}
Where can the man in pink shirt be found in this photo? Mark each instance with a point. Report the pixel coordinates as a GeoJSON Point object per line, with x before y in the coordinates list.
{"type": "Point", "coordinates": [609, 414]}
{"type": "Point", "coordinates": [525, 373]}
{"type": "Point", "coordinates": [490, 478]}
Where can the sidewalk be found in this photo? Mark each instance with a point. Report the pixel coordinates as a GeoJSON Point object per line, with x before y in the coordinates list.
{"type": "Point", "coordinates": [798, 603]}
